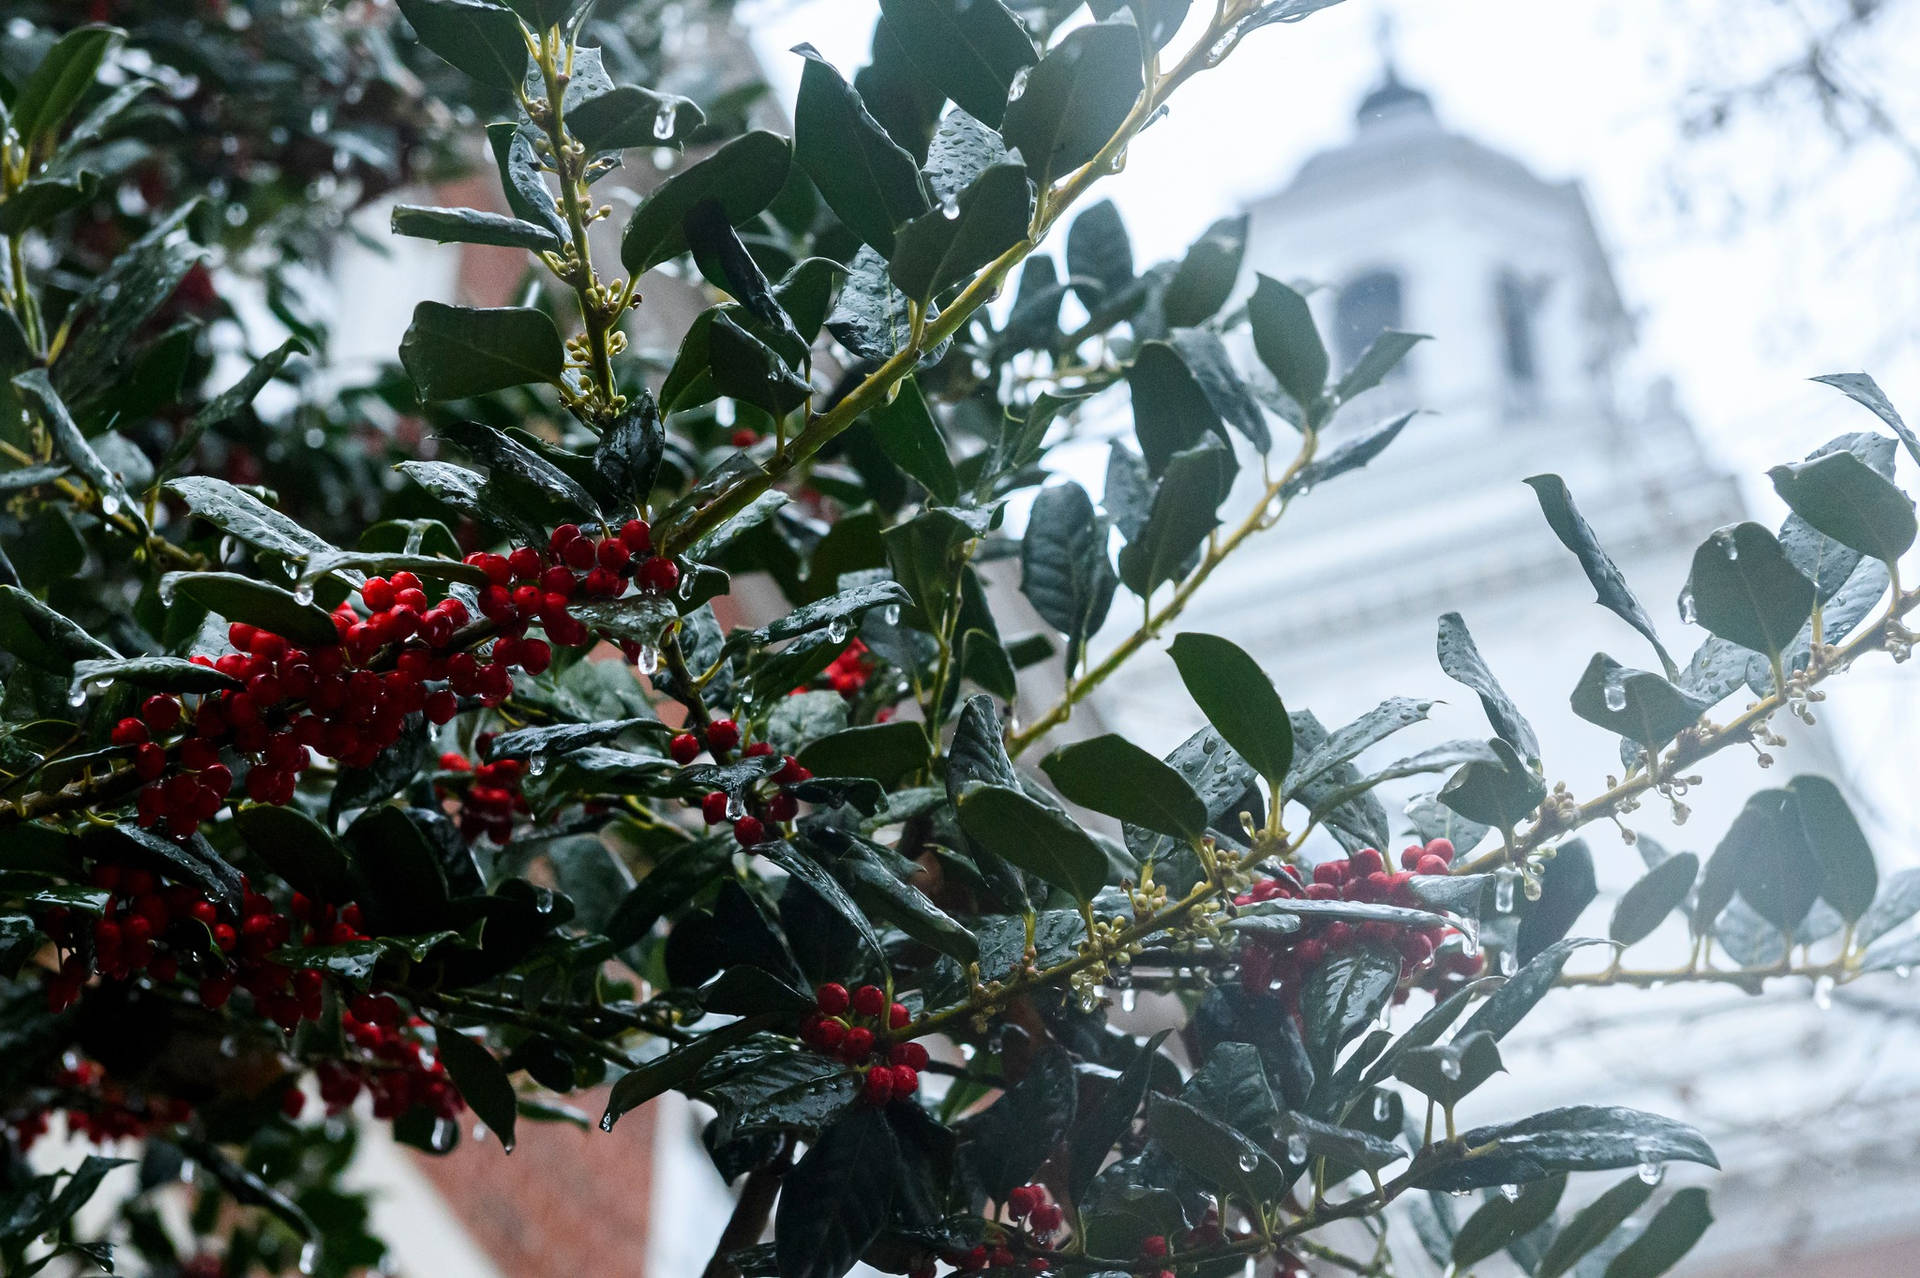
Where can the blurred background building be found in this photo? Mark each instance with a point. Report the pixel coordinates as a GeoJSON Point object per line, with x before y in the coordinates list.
{"type": "Point", "coordinates": [1536, 365]}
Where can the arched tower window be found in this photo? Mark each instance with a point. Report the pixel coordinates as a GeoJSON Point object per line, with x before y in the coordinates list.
{"type": "Point", "coordinates": [1366, 305]}
{"type": "Point", "coordinates": [1518, 301]}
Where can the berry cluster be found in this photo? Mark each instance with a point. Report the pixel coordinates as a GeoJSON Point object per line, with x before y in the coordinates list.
{"type": "Point", "coordinates": [847, 673]}
{"type": "Point", "coordinates": [1206, 1235]}
{"type": "Point", "coordinates": [1035, 1218]}
{"type": "Point", "coordinates": [98, 1109]}
{"type": "Point", "coordinates": [528, 585]}
{"type": "Point", "coordinates": [1281, 964]}
{"type": "Point", "coordinates": [892, 1072]}
{"type": "Point", "coordinates": [769, 804]}
{"type": "Point", "coordinates": [490, 800]}
{"type": "Point", "coordinates": [387, 1060]}
{"type": "Point", "coordinates": [396, 656]}
{"type": "Point", "coordinates": [156, 928]}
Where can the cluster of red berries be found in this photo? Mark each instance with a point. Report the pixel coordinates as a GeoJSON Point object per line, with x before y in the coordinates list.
{"type": "Point", "coordinates": [1036, 1219]}
{"type": "Point", "coordinates": [103, 1111]}
{"type": "Point", "coordinates": [528, 585]}
{"type": "Point", "coordinates": [754, 812]}
{"type": "Point", "coordinates": [847, 673]}
{"type": "Point", "coordinates": [151, 927]}
{"type": "Point", "coordinates": [1281, 964]}
{"type": "Point", "coordinates": [389, 1062]}
{"type": "Point", "coordinates": [892, 1072]}
{"type": "Point", "coordinates": [491, 800]}
{"type": "Point", "coordinates": [1204, 1236]}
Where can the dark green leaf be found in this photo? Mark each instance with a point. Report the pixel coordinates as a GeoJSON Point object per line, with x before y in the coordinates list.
{"type": "Point", "coordinates": [1075, 99]}
{"type": "Point", "coordinates": [257, 603]}
{"type": "Point", "coordinates": [971, 50]}
{"type": "Point", "coordinates": [472, 226]}
{"type": "Point", "coordinates": [1638, 705]}
{"type": "Point", "coordinates": [1286, 340]}
{"type": "Point", "coordinates": [1566, 889]}
{"type": "Point", "coordinates": [1863, 390]}
{"type": "Point", "coordinates": [228, 402]}
{"type": "Point", "coordinates": [629, 116]}
{"type": "Point", "coordinates": [482, 1083]}
{"type": "Point", "coordinates": [1460, 660]}
{"type": "Point", "coordinates": [1005, 1144]}
{"type": "Point", "coordinates": [884, 751]}
{"type": "Point", "coordinates": [1206, 275]}
{"type": "Point", "coordinates": [1222, 1158]}
{"type": "Point", "coordinates": [1578, 1138]}
{"type": "Point", "coordinates": [1385, 719]}
{"type": "Point", "coordinates": [1495, 794]}
{"type": "Point", "coordinates": [1672, 1232]}
{"type": "Point", "coordinates": [673, 880]}
{"type": "Point", "coordinates": [823, 885]}
{"type": "Point", "coordinates": [1238, 700]}
{"type": "Point", "coordinates": [1099, 254]}
{"type": "Point", "coordinates": [1065, 572]}
{"type": "Point", "coordinates": [911, 439]}
{"type": "Point", "coordinates": [41, 105]}
{"type": "Point", "coordinates": [483, 40]}
{"type": "Point", "coordinates": [938, 249]}
{"type": "Point", "coordinates": [1744, 588]}
{"type": "Point", "coordinates": [1112, 775]}
{"type": "Point", "coordinates": [298, 849]}
{"type": "Point", "coordinates": [455, 351]}
{"type": "Point", "coordinates": [746, 368]}
{"type": "Point", "coordinates": [1448, 1071]}
{"type": "Point", "coordinates": [1099, 1131]}
{"type": "Point", "coordinates": [1645, 905]}
{"type": "Point", "coordinates": [1525, 988]}
{"type": "Point", "coordinates": [528, 196]}
{"type": "Point", "coordinates": [165, 674]}
{"type": "Point", "coordinates": [1500, 1220]}
{"type": "Point", "coordinates": [1610, 586]}
{"type": "Point", "coordinates": [871, 184]}
{"type": "Point", "coordinates": [1185, 509]}
{"type": "Point", "coordinates": [1037, 839]}
{"type": "Point", "coordinates": [677, 1068]}
{"type": "Point", "coordinates": [744, 176]}
{"type": "Point", "coordinates": [882, 893]}
{"type": "Point", "coordinates": [1847, 500]}
{"type": "Point", "coordinates": [1591, 1225]}
{"type": "Point", "coordinates": [39, 636]}
{"type": "Point", "coordinates": [1848, 877]}
{"type": "Point", "coordinates": [1342, 996]}
{"type": "Point", "coordinates": [1898, 901]}
{"type": "Point", "coordinates": [36, 386]}
{"type": "Point", "coordinates": [1379, 359]}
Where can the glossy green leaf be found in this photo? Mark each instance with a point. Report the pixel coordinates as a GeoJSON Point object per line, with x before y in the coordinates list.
{"type": "Point", "coordinates": [298, 849]}
{"type": "Point", "coordinates": [838, 1196]}
{"type": "Point", "coordinates": [1185, 509]}
{"type": "Point", "coordinates": [971, 50]}
{"type": "Point", "coordinates": [1577, 1138]}
{"type": "Point", "coordinates": [1037, 839]}
{"type": "Point", "coordinates": [1460, 660]}
{"type": "Point", "coordinates": [1112, 775]}
{"type": "Point", "coordinates": [228, 403]}
{"type": "Point", "coordinates": [629, 116]}
{"type": "Point", "coordinates": [1591, 1225]}
{"type": "Point", "coordinates": [1863, 390]}
{"type": "Point", "coordinates": [884, 751]}
{"type": "Point", "coordinates": [451, 352]}
{"type": "Point", "coordinates": [1672, 1232]}
{"type": "Point", "coordinates": [1286, 340]}
{"type": "Point", "coordinates": [744, 176]}
{"type": "Point", "coordinates": [1343, 996]}
{"type": "Point", "coordinates": [1238, 700]}
{"type": "Point", "coordinates": [1848, 875]}
{"type": "Point", "coordinates": [940, 248]}
{"type": "Point", "coordinates": [56, 86]}
{"type": "Point", "coordinates": [471, 226]}
{"type": "Point", "coordinates": [1500, 1220]}
{"type": "Point", "coordinates": [1499, 794]}
{"type": "Point", "coordinates": [871, 184]}
{"type": "Point", "coordinates": [39, 636]}
{"type": "Point", "coordinates": [1850, 502]}
{"type": "Point", "coordinates": [1065, 570]}
{"type": "Point", "coordinates": [1220, 1157]}
{"type": "Point", "coordinates": [1205, 277]}
{"type": "Point", "coordinates": [1609, 584]}
{"type": "Point", "coordinates": [1638, 705]}
{"type": "Point", "coordinates": [1745, 589]}
{"type": "Point", "coordinates": [1075, 99]}
{"type": "Point", "coordinates": [165, 674]}
{"type": "Point", "coordinates": [911, 438]}
{"type": "Point", "coordinates": [482, 1082]}
{"type": "Point", "coordinates": [1448, 1071]}
{"type": "Point", "coordinates": [1645, 905]}
{"type": "Point", "coordinates": [1567, 887]}
{"type": "Point", "coordinates": [1380, 358]}
{"type": "Point", "coordinates": [1523, 990]}
{"type": "Point", "coordinates": [677, 1068]}
{"type": "Point", "coordinates": [258, 603]}
{"type": "Point", "coordinates": [483, 40]}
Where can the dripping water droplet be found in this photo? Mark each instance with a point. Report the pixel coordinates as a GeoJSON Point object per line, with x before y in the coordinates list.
{"type": "Point", "coordinates": [1248, 1161]}
{"type": "Point", "coordinates": [1903, 971]}
{"type": "Point", "coordinates": [1510, 1192]}
{"type": "Point", "coordinates": [1450, 1068]}
{"type": "Point", "coordinates": [309, 1255]}
{"type": "Point", "coordinates": [1687, 613]}
{"type": "Point", "coordinates": [1652, 1170]}
{"type": "Point", "coordinates": [736, 807]}
{"type": "Point", "coordinates": [110, 505]}
{"type": "Point", "coordinates": [1019, 84]}
{"type": "Point", "coordinates": [78, 696]}
{"type": "Point", "coordinates": [950, 207]}
{"type": "Point", "coordinates": [1508, 964]}
{"type": "Point", "coordinates": [891, 614]}
{"type": "Point", "coordinates": [837, 630]}
{"type": "Point", "coordinates": [166, 591]}
{"type": "Point", "coordinates": [1503, 881]}
{"type": "Point", "coordinates": [1127, 999]}
{"type": "Point", "coordinates": [1296, 1148]}
{"type": "Point", "coordinates": [663, 120]}
{"type": "Point", "coordinates": [1823, 993]}
{"type": "Point", "coordinates": [536, 764]}
{"type": "Point", "coordinates": [1382, 1107]}
{"type": "Point", "coordinates": [303, 593]}
{"type": "Point", "coordinates": [1615, 693]}
{"type": "Point", "coordinates": [647, 660]}
{"type": "Point", "coordinates": [606, 1121]}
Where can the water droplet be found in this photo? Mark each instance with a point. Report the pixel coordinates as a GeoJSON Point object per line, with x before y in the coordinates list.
{"type": "Point", "coordinates": [1729, 545]}
{"type": "Point", "coordinates": [1503, 881]}
{"type": "Point", "coordinates": [536, 764]}
{"type": "Point", "coordinates": [837, 630]}
{"type": "Point", "coordinates": [1128, 997]}
{"type": "Point", "coordinates": [166, 591]}
{"type": "Point", "coordinates": [303, 593]}
{"type": "Point", "coordinates": [1615, 692]}
{"type": "Point", "coordinates": [1018, 85]}
{"type": "Point", "coordinates": [1823, 993]}
{"type": "Point", "coordinates": [189, 1171]}
{"type": "Point", "coordinates": [228, 547]}
{"type": "Point", "coordinates": [445, 1133]}
{"type": "Point", "coordinates": [736, 807]}
{"type": "Point", "coordinates": [1903, 971]}
{"type": "Point", "coordinates": [78, 696]}
{"type": "Point", "coordinates": [1248, 1161]}
{"type": "Point", "coordinates": [1687, 613]}
{"type": "Point", "coordinates": [309, 1255]}
{"type": "Point", "coordinates": [110, 505]}
{"type": "Point", "coordinates": [647, 660]}
{"type": "Point", "coordinates": [479, 1131]}
{"type": "Point", "coordinates": [891, 614]}
{"type": "Point", "coordinates": [1508, 964]}
{"type": "Point", "coordinates": [606, 1121]}
{"type": "Point", "coordinates": [1450, 1068]}
{"type": "Point", "coordinates": [1297, 1148]}
{"type": "Point", "coordinates": [950, 207]}
{"type": "Point", "coordinates": [663, 120]}
{"type": "Point", "coordinates": [1510, 1192]}
{"type": "Point", "coordinates": [1652, 1170]}
{"type": "Point", "coordinates": [1382, 1107]}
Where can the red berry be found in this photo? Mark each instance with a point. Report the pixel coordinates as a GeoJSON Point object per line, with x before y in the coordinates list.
{"type": "Point", "coordinates": [869, 1000]}
{"type": "Point", "coordinates": [636, 536]}
{"type": "Point", "coordinates": [1367, 861]}
{"type": "Point", "coordinates": [789, 772]}
{"type": "Point", "coordinates": [782, 807]}
{"type": "Point", "coordinates": [832, 998]}
{"type": "Point", "coordinates": [1431, 864]}
{"type": "Point", "coordinates": [534, 655]}
{"type": "Point", "coordinates": [857, 1044]}
{"type": "Point", "coordinates": [723, 735]}
{"type": "Point", "coordinates": [658, 575]}
{"type": "Point", "coordinates": [161, 712]}
{"type": "Point", "coordinates": [758, 749]}
{"type": "Point", "coordinates": [906, 1080]}
{"type": "Point", "coordinates": [685, 748]}
{"type": "Point", "coordinates": [128, 732]}
{"type": "Point", "coordinates": [1442, 848]}
{"type": "Point", "coordinates": [898, 1016]}
{"type": "Point", "coordinates": [1410, 857]}
{"type": "Point", "coordinates": [613, 554]}
{"type": "Point", "coordinates": [1021, 1200]}
{"type": "Point", "coordinates": [910, 1054]}
{"type": "Point", "coordinates": [1154, 1246]}
{"type": "Point", "coordinates": [240, 635]}
{"type": "Point", "coordinates": [878, 1089]}
{"type": "Point", "coordinates": [578, 553]}
{"type": "Point", "coordinates": [525, 562]}
{"type": "Point", "coordinates": [749, 831]}
{"type": "Point", "coordinates": [292, 1101]}
{"type": "Point", "coordinates": [713, 807]}
{"type": "Point", "coordinates": [149, 761]}
{"type": "Point", "coordinates": [744, 438]}
{"type": "Point", "coordinates": [1047, 1217]}
{"type": "Point", "coordinates": [441, 706]}
{"type": "Point", "coordinates": [377, 593]}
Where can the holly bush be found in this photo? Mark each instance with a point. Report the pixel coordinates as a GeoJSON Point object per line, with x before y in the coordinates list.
{"type": "Point", "coordinates": [330, 770]}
